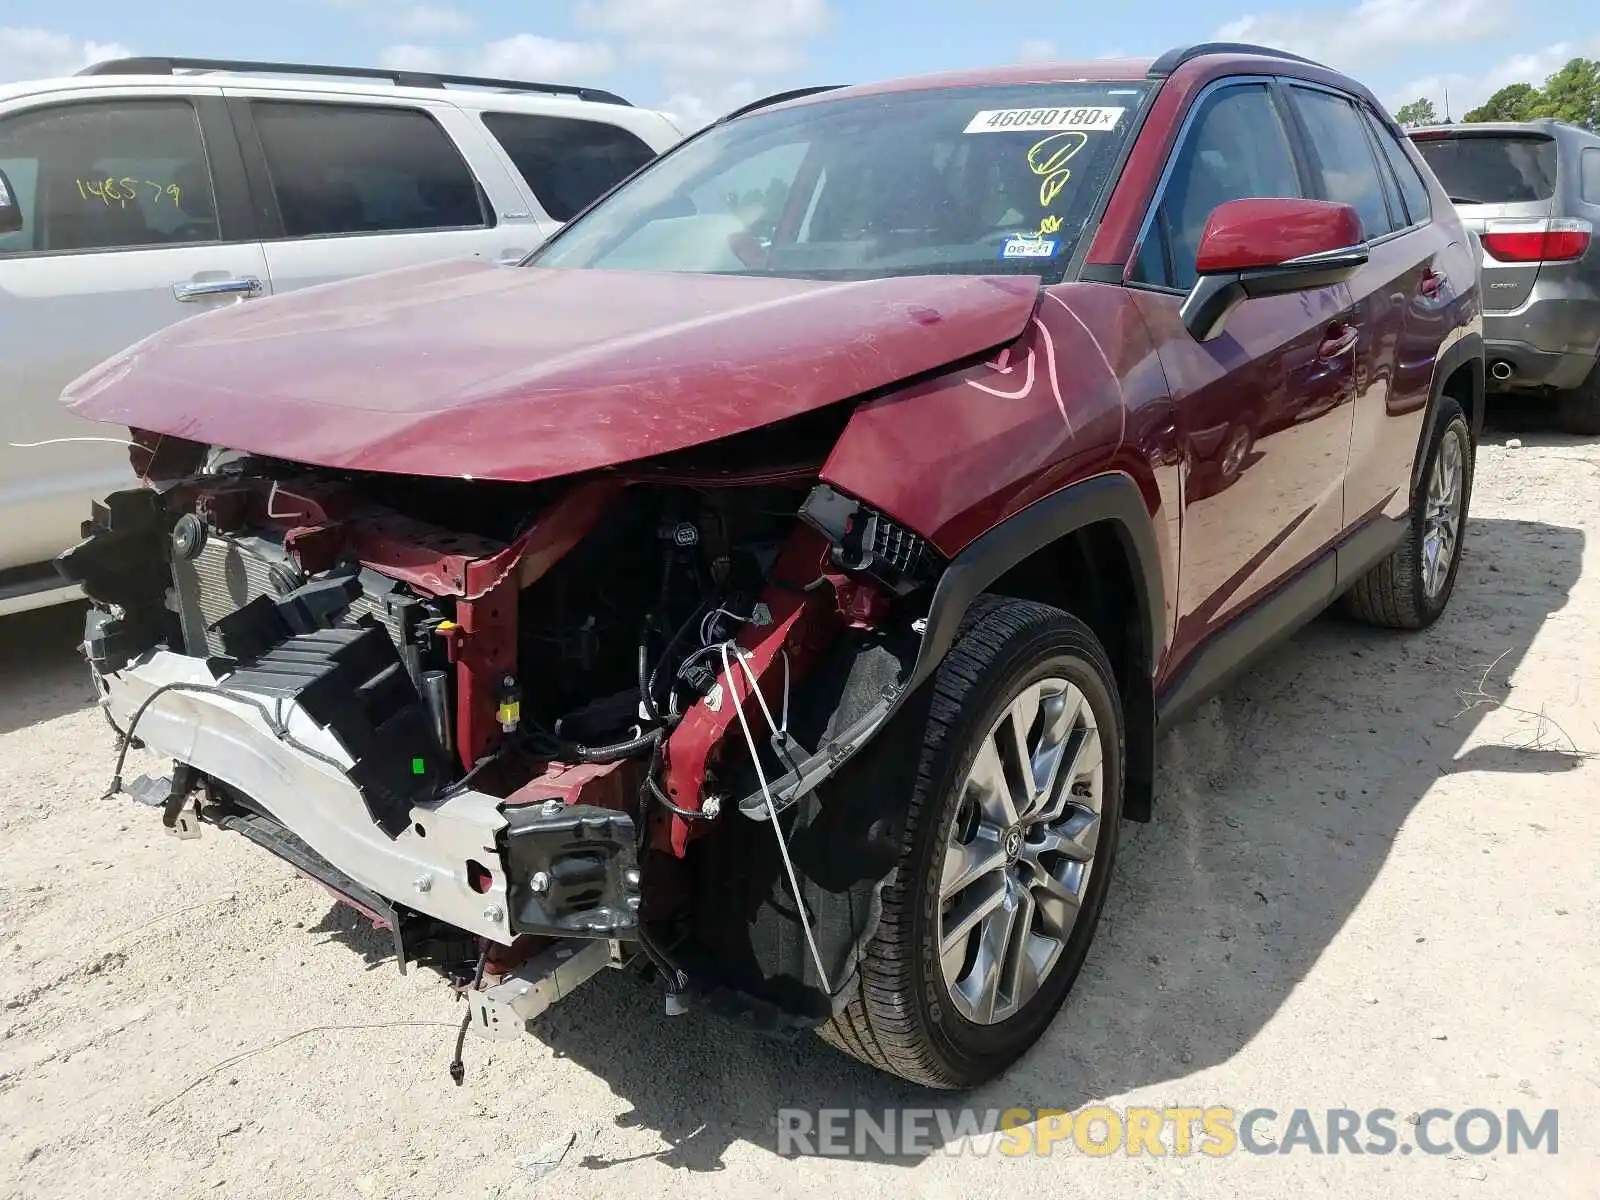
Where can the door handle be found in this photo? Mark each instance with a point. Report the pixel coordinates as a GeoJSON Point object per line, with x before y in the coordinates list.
{"type": "Point", "coordinates": [1340, 338]}
{"type": "Point", "coordinates": [249, 285]}
{"type": "Point", "coordinates": [510, 258]}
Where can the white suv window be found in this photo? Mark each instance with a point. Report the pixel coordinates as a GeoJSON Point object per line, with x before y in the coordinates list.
{"type": "Point", "coordinates": [340, 169]}
{"type": "Point", "coordinates": [567, 163]}
{"type": "Point", "coordinates": [108, 177]}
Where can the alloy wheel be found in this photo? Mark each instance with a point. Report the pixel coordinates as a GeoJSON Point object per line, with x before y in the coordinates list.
{"type": "Point", "coordinates": [1441, 517]}
{"type": "Point", "coordinates": [1020, 850]}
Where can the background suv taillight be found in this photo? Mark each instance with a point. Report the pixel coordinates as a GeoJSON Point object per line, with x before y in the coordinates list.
{"type": "Point", "coordinates": [1537, 240]}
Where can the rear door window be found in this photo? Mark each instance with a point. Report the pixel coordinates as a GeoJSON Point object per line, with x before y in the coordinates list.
{"type": "Point", "coordinates": [341, 169]}
{"type": "Point", "coordinates": [1493, 169]}
{"type": "Point", "coordinates": [1412, 190]}
{"type": "Point", "coordinates": [22, 174]}
{"type": "Point", "coordinates": [1345, 158]}
{"type": "Point", "coordinates": [102, 176]}
{"type": "Point", "coordinates": [567, 163]}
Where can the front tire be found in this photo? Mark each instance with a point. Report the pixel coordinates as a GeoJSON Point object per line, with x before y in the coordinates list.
{"type": "Point", "coordinates": [1006, 853]}
{"type": "Point", "coordinates": [1410, 588]}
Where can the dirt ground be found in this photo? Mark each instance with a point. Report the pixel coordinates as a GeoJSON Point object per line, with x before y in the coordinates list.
{"type": "Point", "coordinates": [1371, 884]}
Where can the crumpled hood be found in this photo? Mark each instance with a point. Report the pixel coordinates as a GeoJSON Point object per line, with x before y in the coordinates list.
{"type": "Point", "coordinates": [463, 369]}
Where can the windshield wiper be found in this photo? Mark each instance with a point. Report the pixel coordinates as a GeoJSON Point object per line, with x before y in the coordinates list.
{"type": "Point", "coordinates": [1466, 200]}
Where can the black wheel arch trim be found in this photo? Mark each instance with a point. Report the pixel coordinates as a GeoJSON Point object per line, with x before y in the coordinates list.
{"type": "Point", "coordinates": [1468, 349]}
{"type": "Point", "coordinates": [1113, 498]}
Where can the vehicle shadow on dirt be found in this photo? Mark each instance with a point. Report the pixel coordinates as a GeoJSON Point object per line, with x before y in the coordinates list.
{"type": "Point", "coordinates": [41, 677]}
{"type": "Point", "coordinates": [1277, 805]}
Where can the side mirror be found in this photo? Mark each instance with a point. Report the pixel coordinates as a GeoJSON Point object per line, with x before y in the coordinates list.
{"type": "Point", "coordinates": [1267, 248]}
{"type": "Point", "coordinates": [10, 208]}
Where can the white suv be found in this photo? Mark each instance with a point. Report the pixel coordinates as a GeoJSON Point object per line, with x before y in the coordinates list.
{"type": "Point", "coordinates": [144, 190]}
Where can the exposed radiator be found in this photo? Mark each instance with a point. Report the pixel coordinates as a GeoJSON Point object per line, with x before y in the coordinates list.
{"type": "Point", "coordinates": [228, 572]}
{"type": "Point", "coordinates": [224, 575]}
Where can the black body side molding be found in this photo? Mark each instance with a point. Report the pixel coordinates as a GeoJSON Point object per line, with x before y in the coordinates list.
{"type": "Point", "coordinates": [1469, 349]}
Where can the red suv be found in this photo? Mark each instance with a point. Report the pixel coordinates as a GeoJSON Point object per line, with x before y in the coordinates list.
{"type": "Point", "coordinates": [779, 580]}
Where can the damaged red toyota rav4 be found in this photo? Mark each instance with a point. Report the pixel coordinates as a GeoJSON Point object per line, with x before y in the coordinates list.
{"type": "Point", "coordinates": [779, 580]}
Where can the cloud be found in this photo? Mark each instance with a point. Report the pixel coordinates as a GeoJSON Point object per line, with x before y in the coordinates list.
{"type": "Point", "coordinates": [1372, 29]}
{"type": "Point", "coordinates": [528, 56]}
{"type": "Point", "coordinates": [1469, 91]}
{"type": "Point", "coordinates": [427, 20]}
{"type": "Point", "coordinates": [669, 28]}
{"type": "Point", "coordinates": [1037, 50]}
{"type": "Point", "coordinates": [407, 57]}
{"type": "Point", "coordinates": [692, 110]}
{"type": "Point", "coordinates": [712, 56]}
{"type": "Point", "coordinates": [31, 53]}
{"type": "Point", "coordinates": [524, 56]}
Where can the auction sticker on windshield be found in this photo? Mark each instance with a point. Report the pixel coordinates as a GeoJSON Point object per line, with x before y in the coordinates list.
{"type": "Point", "coordinates": [1007, 120]}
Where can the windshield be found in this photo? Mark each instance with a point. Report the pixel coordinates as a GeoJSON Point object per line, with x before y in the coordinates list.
{"type": "Point", "coordinates": [990, 180]}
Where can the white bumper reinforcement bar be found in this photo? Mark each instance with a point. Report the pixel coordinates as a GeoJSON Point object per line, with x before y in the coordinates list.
{"type": "Point", "coordinates": [425, 868]}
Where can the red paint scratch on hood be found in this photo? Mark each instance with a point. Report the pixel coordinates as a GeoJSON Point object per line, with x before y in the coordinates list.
{"type": "Point", "coordinates": [462, 369]}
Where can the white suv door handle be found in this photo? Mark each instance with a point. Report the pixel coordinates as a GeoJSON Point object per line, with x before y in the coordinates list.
{"type": "Point", "coordinates": [510, 258]}
{"type": "Point", "coordinates": [189, 292]}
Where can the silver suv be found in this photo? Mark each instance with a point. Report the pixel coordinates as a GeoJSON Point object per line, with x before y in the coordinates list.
{"type": "Point", "coordinates": [146, 190]}
{"type": "Point", "coordinates": [1531, 191]}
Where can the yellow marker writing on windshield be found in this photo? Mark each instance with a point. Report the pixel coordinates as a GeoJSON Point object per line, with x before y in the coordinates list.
{"type": "Point", "coordinates": [1048, 157]}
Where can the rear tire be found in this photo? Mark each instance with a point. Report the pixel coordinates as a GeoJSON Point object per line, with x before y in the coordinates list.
{"type": "Point", "coordinates": [1410, 588]}
{"type": "Point", "coordinates": [1578, 411]}
{"type": "Point", "coordinates": [1030, 882]}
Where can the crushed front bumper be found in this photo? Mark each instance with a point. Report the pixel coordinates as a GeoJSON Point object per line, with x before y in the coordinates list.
{"type": "Point", "coordinates": [446, 862]}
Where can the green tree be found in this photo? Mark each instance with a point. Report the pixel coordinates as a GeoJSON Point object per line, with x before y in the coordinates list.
{"type": "Point", "coordinates": [1419, 112]}
{"type": "Point", "coordinates": [1515, 102]}
{"type": "Point", "coordinates": [1573, 94]}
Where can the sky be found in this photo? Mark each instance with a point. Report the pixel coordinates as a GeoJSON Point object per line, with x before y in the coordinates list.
{"type": "Point", "coordinates": [699, 58]}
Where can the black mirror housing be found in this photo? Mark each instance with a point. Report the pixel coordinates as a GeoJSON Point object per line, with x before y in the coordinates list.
{"type": "Point", "coordinates": [1206, 308]}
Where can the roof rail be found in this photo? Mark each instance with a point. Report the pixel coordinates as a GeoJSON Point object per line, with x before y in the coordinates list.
{"type": "Point", "coordinates": [779, 98]}
{"type": "Point", "coordinates": [1175, 58]}
{"type": "Point", "coordinates": [400, 78]}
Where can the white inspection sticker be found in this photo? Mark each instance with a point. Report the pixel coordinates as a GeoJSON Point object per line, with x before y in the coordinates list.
{"type": "Point", "coordinates": [1050, 120]}
{"type": "Point", "coordinates": [1028, 246]}
{"type": "Point", "coordinates": [5, 196]}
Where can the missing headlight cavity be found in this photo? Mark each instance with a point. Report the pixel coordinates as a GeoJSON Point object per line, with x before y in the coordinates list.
{"type": "Point", "coordinates": [868, 541]}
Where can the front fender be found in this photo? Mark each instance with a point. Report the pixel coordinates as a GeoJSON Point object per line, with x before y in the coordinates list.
{"type": "Point", "coordinates": [953, 456]}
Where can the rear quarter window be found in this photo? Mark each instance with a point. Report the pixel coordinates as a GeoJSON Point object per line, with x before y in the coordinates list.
{"type": "Point", "coordinates": [567, 163]}
{"type": "Point", "coordinates": [23, 174]}
{"type": "Point", "coordinates": [1493, 170]}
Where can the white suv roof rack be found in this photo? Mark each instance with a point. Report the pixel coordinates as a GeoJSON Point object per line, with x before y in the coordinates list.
{"type": "Point", "coordinates": [399, 78]}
